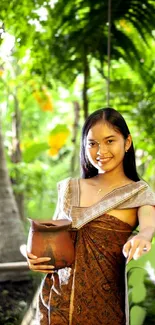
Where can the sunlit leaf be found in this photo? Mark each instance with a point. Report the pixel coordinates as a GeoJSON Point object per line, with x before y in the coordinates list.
{"type": "Point", "coordinates": [44, 99]}
{"type": "Point", "coordinates": [57, 138]}
{"type": "Point", "coordinates": [34, 151]}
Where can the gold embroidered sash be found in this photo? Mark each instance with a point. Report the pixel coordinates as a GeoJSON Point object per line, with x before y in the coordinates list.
{"type": "Point", "coordinates": [126, 197]}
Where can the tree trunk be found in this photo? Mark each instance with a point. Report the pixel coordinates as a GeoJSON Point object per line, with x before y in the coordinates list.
{"type": "Point", "coordinates": [85, 85]}
{"type": "Point", "coordinates": [74, 138]}
{"type": "Point", "coordinates": [16, 153]}
{"type": "Point", "coordinates": [11, 228]}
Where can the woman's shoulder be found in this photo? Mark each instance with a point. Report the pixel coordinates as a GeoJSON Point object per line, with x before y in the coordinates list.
{"type": "Point", "coordinates": [147, 194]}
{"type": "Point", "coordinates": [67, 182]}
{"type": "Point", "coordinates": [143, 183]}
{"type": "Point", "coordinates": [75, 179]}
{"type": "Point", "coordinates": [63, 182]}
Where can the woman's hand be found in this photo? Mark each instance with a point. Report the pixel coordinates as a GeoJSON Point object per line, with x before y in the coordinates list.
{"type": "Point", "coordinates": [35, 264]}
{"type": "Point", "coordinates": [136, 247]}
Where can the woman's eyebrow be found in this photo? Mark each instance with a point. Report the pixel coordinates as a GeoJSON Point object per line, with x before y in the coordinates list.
{"type": "Point", "coordinates": [105, 138]}
{"type": "Point", "coordinates": [110, 136]}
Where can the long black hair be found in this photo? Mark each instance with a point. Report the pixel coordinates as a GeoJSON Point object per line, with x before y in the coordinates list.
{"type": "Point", "coordinates": [116, 120]}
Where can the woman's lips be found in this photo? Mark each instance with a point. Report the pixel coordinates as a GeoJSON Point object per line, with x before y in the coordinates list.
{"type": "Point", "coordinates": [103, 160]}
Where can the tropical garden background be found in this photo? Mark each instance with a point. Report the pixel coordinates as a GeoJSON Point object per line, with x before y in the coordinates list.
{"type": "Point", "coordinates": [53, 73]}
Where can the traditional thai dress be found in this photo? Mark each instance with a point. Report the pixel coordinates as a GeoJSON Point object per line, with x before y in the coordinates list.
{"type": "Point", "coordinates": [92, 291]}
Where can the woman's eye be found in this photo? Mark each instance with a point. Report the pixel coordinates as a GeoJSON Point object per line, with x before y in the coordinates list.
{"type": "Point", "coordinates": [91, 144]}
{"type": "Point", "coordinates": [110, 141]}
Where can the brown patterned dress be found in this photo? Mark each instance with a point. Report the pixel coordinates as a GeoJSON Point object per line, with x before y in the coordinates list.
{"type": "Point", "coordinates": [92, 291]}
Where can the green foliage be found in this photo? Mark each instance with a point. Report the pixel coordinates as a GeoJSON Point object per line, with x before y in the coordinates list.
{"type": "Point", "coordinates": [141, 279]}
{"type": "Point", "coordinates": [33, 151]}
{"type": "Point", "coordinates": [51, 44]}
{"type": "Point", "coordinates": [58, 37]}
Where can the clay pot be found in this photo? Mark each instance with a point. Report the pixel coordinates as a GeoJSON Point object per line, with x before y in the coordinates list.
{"type": "Point", "coordinates": [52, 239]}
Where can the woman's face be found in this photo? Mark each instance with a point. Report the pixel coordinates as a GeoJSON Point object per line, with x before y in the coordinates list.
{"type": "Point", "coordinates": [105, 147]}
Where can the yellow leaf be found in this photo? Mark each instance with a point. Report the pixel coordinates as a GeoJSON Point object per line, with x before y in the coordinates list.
{"type": "Point", "coordinates": [58, 140]}
{"type": "Point", "coordinates": [47, 106]}
{"type": "Point", "coordinates": [124, 24]}
{"type": "Point", "coordinates": [36, 95]}
{"type": "Point", "coordinates": [44, 99]}
{"type": "Point", "coordinates": [1, 72]}
{"type": "Point", "coordinates": [53, 151]}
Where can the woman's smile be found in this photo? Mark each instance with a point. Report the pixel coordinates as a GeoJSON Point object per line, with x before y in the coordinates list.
{"type": "Point", "coordinates": [102, 161]}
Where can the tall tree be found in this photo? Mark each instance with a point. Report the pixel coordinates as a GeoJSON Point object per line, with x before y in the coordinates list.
{"type": "Point", "coordinates": [11, 229]}
{"type": "Point", "coordinates": [63, 38]}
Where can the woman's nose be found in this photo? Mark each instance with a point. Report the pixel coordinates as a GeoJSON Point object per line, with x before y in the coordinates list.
{"type": "Point", "coordinates": [102, 149]}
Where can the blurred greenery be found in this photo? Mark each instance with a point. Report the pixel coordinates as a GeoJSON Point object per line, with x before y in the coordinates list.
{"type": "Point", "coordinates": [53, 55]}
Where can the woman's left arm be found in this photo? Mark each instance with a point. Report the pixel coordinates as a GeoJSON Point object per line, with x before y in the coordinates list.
{"type": "Point", "coordinates": [141, 243]}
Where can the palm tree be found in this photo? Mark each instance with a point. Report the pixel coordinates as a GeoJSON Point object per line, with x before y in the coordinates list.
{"type": "Point", "coordinates": [76, 31]}
{"type": "Point", "coordinates": [79, 33]}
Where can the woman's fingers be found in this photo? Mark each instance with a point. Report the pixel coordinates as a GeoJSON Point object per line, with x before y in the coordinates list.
{"type": "Point", "coordinates": [142, 249]}
{"type": "Point", "coordinates": [126, 248]}
{"type": "Point", "coordinates": [36, 264]}
{"type": "Point", "coordinates": [135, 248]}
{"type": "Point", "coordinates": [33, 259]}
{"type": "Point", "coordinates": [29, 255]}
{"type": "Point", "coordinates": [42, 267]}
{"type": "Point", "coordinates": [147, 246]}
{"type": "Point", "coordinates": [39, 260]}
{"type": "Point", "coordinates": [44, 271]}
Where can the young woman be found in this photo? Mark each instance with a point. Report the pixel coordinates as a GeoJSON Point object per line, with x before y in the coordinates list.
{"type": "Point", "coordinates": [105, 206]}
